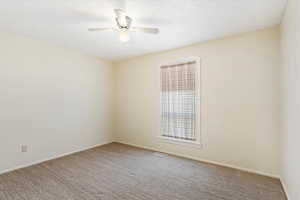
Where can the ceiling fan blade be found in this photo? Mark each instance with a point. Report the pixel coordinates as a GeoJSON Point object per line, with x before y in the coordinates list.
{"type": "Point", "coordinates": [145, 30]}
{"type": "Point", "coordinates": [100, 29]}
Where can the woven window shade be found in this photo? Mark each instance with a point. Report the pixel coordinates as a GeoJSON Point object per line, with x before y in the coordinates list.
{"type": "Point", "coordinates": [178, 100]}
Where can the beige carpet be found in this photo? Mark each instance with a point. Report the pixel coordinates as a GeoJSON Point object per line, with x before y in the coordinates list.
{"type": "Point", "coordinates": [121, 172]}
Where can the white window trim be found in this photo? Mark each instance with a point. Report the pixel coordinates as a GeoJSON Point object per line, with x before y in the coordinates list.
{"type": "Point", "coordinates": [198, 142]}
{"type": "Point", "coordinates": [182, 142]}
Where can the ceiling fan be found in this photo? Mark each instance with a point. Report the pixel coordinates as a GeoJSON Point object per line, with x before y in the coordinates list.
{"type": "Point", "coordinates": [124, 26]}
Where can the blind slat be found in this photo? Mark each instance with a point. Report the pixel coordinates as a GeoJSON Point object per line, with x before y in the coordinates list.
{"type": "Point", "coordinates": [178, 100]}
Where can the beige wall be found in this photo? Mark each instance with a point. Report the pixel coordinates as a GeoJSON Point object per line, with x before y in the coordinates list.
{"type": "Point", "coordinates": [57, 100]}
{"type": "Point", "coordinates": [240, 100]}
{"type": "Point", "coordinates": [290, 132]}
{"type": "Point", "coordinates": [52, 99]}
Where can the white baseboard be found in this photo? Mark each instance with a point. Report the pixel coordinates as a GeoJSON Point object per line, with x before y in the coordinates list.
{"type": "Point", "coordinates": [204, 160]}
{"type": "Point", "coordinates": [284, 188]}
{"type": "Point", "coordinates": [51, 158]}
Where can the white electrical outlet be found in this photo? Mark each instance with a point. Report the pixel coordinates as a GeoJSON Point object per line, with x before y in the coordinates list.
{"type": "Point", "coordinates": [24, 148]}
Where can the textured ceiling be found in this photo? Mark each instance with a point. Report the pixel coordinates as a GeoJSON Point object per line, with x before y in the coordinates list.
{"type": "Point", "coordinates": [181, 22]}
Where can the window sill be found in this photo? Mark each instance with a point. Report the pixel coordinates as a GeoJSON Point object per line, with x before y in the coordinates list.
{"type": "Point", "coordinates": [194, 144]}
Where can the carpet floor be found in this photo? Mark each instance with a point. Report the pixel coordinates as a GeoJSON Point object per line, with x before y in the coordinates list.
{"type": "Point", "coordinates": [120, 172]}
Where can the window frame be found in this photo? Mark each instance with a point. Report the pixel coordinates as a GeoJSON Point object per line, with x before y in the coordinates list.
{"type": "Point", "coordinates": [198, 142]}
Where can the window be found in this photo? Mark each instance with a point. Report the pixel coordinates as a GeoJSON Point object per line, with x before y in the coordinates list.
{"type": "Point", "coordinates": [179, 95]}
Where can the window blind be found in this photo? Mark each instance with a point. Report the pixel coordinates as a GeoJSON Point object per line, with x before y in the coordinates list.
{"type": "Point", "coordinates": [178, 100]}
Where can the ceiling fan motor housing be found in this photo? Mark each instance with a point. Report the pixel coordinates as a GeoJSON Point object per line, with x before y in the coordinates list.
{"type": "Point", "coordinates": [125, 24]}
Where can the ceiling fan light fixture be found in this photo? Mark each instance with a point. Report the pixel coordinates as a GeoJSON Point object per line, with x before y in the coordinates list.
{"type": "Point", "coordinates": [124, 36]}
